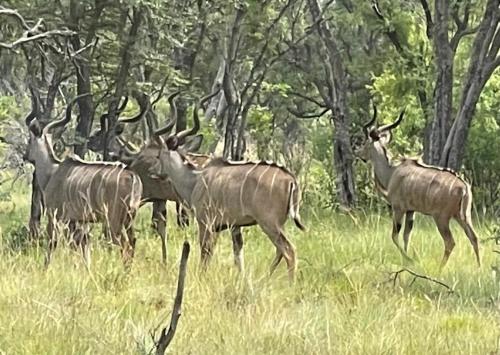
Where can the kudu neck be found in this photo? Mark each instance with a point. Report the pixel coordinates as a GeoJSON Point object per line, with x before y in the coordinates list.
{"type": "Point", "coordinates": [183, 177]}
{"type": "Point", "coordinates": [382, 166]}
{"type": "Point", "coordinates": [45, 164]}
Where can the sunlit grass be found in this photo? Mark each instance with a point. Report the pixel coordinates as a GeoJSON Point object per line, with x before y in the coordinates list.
{"type": "Point", "coordinates": [343, 302]}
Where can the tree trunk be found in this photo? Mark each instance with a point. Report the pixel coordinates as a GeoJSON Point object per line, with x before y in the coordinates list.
{"type": "Point", "coordinates": [83, 74]}
{"type": "Point", "coordinates": [441, 123]}
{"type": "Point", "coordinates": [122, 75]}
{"type": "Point", "coordinates": [337, 89]}
{"type": "Point", "coordinates": [484, 60]}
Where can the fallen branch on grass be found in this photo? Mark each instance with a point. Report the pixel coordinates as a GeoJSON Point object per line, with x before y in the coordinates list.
{"type": "Point", "coordinates": [167, 336]}
{"type": "Point", "coordinates": [395, 276]}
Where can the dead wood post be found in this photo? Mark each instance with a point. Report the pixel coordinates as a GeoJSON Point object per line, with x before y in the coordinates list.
{"type": "Point", "coordinates": [167, 336]}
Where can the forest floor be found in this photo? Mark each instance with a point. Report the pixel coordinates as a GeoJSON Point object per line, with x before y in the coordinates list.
{"type": "Point", "coordinates": [345, 299]}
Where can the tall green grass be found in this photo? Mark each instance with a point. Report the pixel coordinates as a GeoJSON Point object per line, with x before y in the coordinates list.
{"type": "Point", "coordinates": [344, 300]}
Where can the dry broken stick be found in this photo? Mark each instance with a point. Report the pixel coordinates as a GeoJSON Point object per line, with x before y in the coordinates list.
{"type": "Point", "coordinates": [395, 276]}
{"type": "Point", "coordinates": [167, 336]}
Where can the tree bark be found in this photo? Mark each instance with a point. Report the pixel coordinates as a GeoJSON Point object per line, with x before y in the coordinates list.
{"type": "Point", "coordinates": [444, 55]}
{"type": "Point", "coordinates": [484, 60]}
{"type": "Point", "coordinates": [230, 93]}
{"type": "Point", "coordinates": [337, 102]}
{"type": "Point", "coordinates": [83, 73]}
{"type": "Point", "coordinates": [126, 52]}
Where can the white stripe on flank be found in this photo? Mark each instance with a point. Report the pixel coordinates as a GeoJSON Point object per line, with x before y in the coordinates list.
{"type": "Point", "coordinates": [243, 185]}
{"type": "Point", "coordinates": [272, 181]}
{"type": "Point", "coordinates": [258, 181]}
{"type": "Point", "coordinates": [430, 183]}
{"type": "Point", "coordinates": [291, 210]}
{"type": "Point", "coordinates": [117, 185]}
{"type": "Point", "coordinates": [453, 180]}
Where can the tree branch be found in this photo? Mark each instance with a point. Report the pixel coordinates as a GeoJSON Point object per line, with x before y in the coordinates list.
{"type": "Point", "coordinates": [308, 98]}
{"type": "Point", "coordinates": [395, 275]}
{"type": "Point", "coordinates": [25, 39]}
{"type": "Point", "coordinates": [428, 18]}
{"type": "Point", "coordinates": [392, 34]}
{"type": "Point", "coordinates": [307, 115]}
{"type": "Point", "coordinates": [167, 336]}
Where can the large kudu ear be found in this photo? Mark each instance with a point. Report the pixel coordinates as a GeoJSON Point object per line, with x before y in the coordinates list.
{"type": "Point", "coordinates": [193, 144]}
{"type": "Point", "coordinates": [385, 137]}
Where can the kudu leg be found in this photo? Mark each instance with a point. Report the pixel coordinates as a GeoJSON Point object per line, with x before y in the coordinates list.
{"type": "Point", "coordinates": [182, 215]}
{"type": "Point", "coordinates": [159, 219]}
{"type": "Point", "coordinates": [276, 261]}
{"type": "Point", "coordinates": [397, 218]}
{"type": "Point", "coordinates": [79, 239]}
{"type": "Point", "coordinates": [471, 234]}
{"type": "Point", "coordinates": [443, 225]}
{"type": "Point", "coordinates": [284, 249]}
{"type": "Point", "coordinates": [52, 235]}
{"type": "Point", "coordinates": [237, 248]}
{"type": "Point", "coordinates": [207, 241]}
{"type": "Point", "coordinates": [408, 228]}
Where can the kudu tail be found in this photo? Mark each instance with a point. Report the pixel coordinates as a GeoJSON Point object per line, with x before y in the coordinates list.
{"type": "Point", "coordinates": [466, 220]}
{"type": "Point", "coordinates": [293, 205]}
{"type": "Point", "coordinates": [466, 205]}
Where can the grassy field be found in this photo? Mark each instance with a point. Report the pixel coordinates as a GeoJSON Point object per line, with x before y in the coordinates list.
{"type": "Point", "coordinates": [344, 301]}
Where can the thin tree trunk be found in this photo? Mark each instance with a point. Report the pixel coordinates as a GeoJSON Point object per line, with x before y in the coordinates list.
{"type": "Point", "coordinates": [336, 81]}
{"type": "Point", "coordinates": [444, 55]}
{"type": "Point", "coordinates": [126, 52]}
{"type": "Point", "coordinates": [83, 74]}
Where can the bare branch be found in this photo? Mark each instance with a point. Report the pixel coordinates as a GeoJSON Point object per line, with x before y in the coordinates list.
{"type": "Point", "coordinates": [160, 92]}
{"type": "Point", "coordinates": [17, 15]}
{"type": "Point", "coordinates": [455, 40]}
{"type": "Point", "coordinates": [308, 115]}
{"type": "Point", "coordinates": [167, 336]}
{"type": "Point", "coordinates": [25, 39]}
{"type": "Point", "coordinates": [308, 98]}
{"type": "Point", "coordinates": [395, 275]}
{"type": "Point", "coordinates": [428, 18]}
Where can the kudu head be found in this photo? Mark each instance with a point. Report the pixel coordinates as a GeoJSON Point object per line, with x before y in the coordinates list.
{"type": "Point", "coordinates": [376, 138]}
{"type": "Point", "coordinates": [171, 153]}
{"type": "Point", "coordinates": [40, 139]}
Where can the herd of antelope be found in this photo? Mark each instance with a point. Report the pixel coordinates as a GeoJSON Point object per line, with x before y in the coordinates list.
{"type": "Point", "coordinates": [221, 194]}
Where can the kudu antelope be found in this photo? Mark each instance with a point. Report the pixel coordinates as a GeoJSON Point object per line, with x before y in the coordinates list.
{"type": "Point", "coordinates": [227, 194]}
{"type": "Point", "coordinates": [414, 187]}
{"type": "Point", "coordinates": [82, 192]}
{"type": "Point", "coordinates": [154, 190]}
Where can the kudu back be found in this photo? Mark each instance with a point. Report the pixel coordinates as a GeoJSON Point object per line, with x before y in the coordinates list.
{"type": "Point", "coordinates": [412, 187]}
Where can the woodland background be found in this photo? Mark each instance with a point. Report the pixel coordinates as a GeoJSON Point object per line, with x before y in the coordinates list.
{"type": "Point", "coordinates": [298, 79]}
